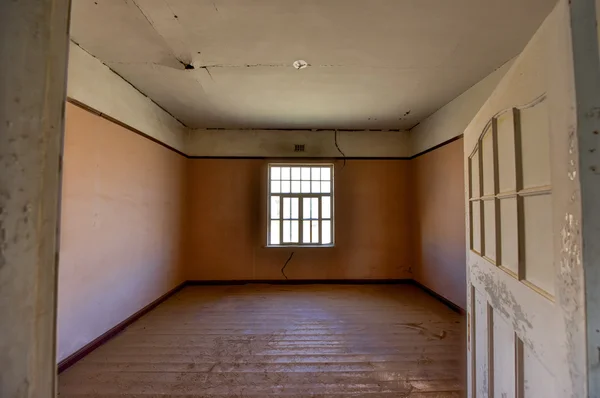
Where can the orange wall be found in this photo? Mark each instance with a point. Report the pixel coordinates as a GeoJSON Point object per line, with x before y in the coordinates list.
{"type": "Point", "coordinates": [440, 260]}
{"type": "Point", "coordinates": [137, 219]}
{"type": "Point", "coordinates": [226, 224]}
{"type": "Point", "coordinates": [121, 227]}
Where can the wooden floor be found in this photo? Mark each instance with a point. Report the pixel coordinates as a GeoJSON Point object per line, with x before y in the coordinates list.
{"type": "Point", "coordinates": [274, 340]}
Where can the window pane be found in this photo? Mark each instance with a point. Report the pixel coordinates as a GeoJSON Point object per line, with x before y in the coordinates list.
{"type": "Point", "coordinates": [306, 208]}
{"type": "Point", "coordinates": [275, 201]}
{"type": "Point", "coordinates": [315, 173]}
{"type": "Point", "coordinates": [310, 208]}
{"type": "Point", "coordinates": [275, 187]}
{"type": "Point", "coordinates": [295, 173]}
{"type": "Point", "coordinates": [306, 232]}
{"type": "Point", "coordinates": [306, 173]}
{"type": "Point", "coordinates": [274, 232]}
{"type": "Point", "coordinates": [287, 232]}
{"type": "Point", "coordinates": [295, 204]}
{"type": "Point", "coordinates": [326, 232]}
{"type": "Point", "coordinates": [326, 207]}
{"type": "Point", "coordinates": [295, 232]}
{"type": "Point", "coordinates": [295, 186]}
{"type": "Point", "coordinates": [315, 231]}
{"type": "Point", "coordinates": [314, 208]}
{"type": "Point", "coordinates": [316, 187]}
{"type": "Point", "coordinates": [296, 219]}
{"type": "Point", "coordinates": [287, 209]}
{"type": "Point", "coordinates": [305, 186]}
{"type": "Point", "coordinates": [275, 173]}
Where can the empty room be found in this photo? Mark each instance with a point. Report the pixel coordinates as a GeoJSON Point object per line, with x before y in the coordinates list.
{"type": "Point", "coordinates": [226, 198]}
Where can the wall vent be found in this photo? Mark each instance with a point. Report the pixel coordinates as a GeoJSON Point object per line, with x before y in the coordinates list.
{"type": "Point", "coordinates": [299, 148]}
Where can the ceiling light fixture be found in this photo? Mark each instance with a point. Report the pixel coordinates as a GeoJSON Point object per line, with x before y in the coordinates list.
{"type": "Point", "coordinates": [300, 64]}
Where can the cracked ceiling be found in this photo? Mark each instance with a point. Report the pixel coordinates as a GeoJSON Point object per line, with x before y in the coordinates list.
{"type": "Point", "coordinates": [373, 64]}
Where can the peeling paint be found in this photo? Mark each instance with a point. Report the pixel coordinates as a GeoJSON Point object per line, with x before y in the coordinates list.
{"type": "Point", "coordinates": [503, 300]}
{"type": "Point", "coordinates": [570, 281]}
{"type": "Point", "coordinates": [570, 266]}
{"type": "Point", "coordinates": [572, 168]}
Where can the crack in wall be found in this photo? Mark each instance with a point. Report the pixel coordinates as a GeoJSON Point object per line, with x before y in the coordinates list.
{"type": "Point", "coordinates": [246, 66]}
{"type": "Point", "coordinates": [149, 20]}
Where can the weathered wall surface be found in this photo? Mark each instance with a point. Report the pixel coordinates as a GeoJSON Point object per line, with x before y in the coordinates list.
{"type": "Point", "coordinates": [439, 210]}
{"type": "Point", "coordinates": [121, 227]}
{"type": "Point", "coordinates": [94, 84]}
{"type": "Point", "coordinates": [226, 224]}
{"type": "Point", "coordinates": [451, 120]}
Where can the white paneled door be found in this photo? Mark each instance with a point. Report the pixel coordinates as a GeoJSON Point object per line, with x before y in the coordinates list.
{"type": "Point", "coordinates": [526, 279]}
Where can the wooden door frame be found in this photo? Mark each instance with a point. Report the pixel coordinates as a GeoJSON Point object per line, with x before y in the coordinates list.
{"type": "Point", "coordinates": [34, 39]}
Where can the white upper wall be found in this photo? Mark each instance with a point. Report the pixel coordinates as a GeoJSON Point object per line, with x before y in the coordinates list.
{"type": "Point", "coordinates": [95, 85]}
{"type": "Point", "coordinates": [280, 143]}
{"type": "Point", "coordinates": [451, 120]}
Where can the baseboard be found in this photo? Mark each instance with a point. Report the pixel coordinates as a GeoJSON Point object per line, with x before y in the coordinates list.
{"type": "Point", "coordinates": [441, 298]}
{"type": "Point", "coordinates": [299, 282]}
{"type": "Point", "coordinates": [85, 350]}
{"type": "Point", "coordinates": [82, 352]}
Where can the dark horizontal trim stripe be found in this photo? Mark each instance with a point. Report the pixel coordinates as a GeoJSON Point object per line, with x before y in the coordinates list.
{"type": "Point", "coordinates": [299, 158]}
{"type": "Point", "coordinates": [124, 125]}
{"type": "Point", "coordinates": [142, 134]}
{"type": "Point", "coordinates": [85, 350]}
{"type": "Point", "coordinates": [299, 282]}
{"type": "Point", "coordinates": [450, 141]}
{"type": "Point", "coordinates": [303, 130]}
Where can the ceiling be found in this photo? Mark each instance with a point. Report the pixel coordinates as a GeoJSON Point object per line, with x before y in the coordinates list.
{"type": "Point", "coordinates": [373, 64]}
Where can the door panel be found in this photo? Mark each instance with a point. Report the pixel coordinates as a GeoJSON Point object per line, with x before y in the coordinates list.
{"type": "Point", "coordinates": [538, 381]}
{"type": "Point", "coordinates": [482, 360]}
{"type": "Point", "coordinates": [504, 358]}
{"type": "Point", "coordinates": [526, 323]}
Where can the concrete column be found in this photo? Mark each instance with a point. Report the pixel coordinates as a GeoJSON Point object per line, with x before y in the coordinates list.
{"type": "Point", "coordinates": [33, 61]}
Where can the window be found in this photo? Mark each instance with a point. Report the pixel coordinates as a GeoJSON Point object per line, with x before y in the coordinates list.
{"type": "Point", "coordinates": [300, 205]}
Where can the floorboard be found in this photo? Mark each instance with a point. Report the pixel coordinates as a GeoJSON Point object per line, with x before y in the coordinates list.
{"type": "Point", "coordinates": [276, 340]}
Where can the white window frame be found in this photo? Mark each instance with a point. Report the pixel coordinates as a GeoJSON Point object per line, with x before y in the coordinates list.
{"type": "Point", "coordinates": [300, 197]}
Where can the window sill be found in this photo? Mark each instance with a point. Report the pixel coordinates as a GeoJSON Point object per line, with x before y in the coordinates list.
{"type": "Point", "coordinates": [299, 246]}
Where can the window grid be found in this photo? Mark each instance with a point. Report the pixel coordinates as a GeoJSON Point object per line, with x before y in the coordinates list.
{"type": "Point", "coordinates": [300, 205]}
